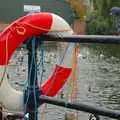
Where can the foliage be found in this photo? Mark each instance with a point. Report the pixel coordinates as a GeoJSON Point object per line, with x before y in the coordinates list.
{"type": "Point", "coordinates": [97, 15]}
{"type": "Point", "coordinates": [103, 6]}
{"type": "Point", "coordinates": [98, 25]}
{"type": "Point", "coordinates": [100, 20]}
{"type": "Point", "coordinates": [79, 8]}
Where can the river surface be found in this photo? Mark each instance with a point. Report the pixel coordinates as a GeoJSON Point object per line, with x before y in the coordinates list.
{"type": "Point", "coordinates": [98, 78]}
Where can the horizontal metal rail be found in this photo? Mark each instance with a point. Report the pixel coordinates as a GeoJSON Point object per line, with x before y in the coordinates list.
{"type": "Point", "coordinates": [83, 39]}
{"type": "Point", "coordinates": [82, 107]}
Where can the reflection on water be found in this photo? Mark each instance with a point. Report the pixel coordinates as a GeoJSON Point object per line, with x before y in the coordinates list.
{"type": "Point", "coordinates": [98, 69]}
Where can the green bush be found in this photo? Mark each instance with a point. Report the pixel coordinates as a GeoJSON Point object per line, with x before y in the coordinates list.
{"type": "Point", "coordinates": [98, 25]}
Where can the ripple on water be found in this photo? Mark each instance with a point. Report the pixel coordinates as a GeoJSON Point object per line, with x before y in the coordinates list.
{"type": "Point", "coordinates": [97, 68]}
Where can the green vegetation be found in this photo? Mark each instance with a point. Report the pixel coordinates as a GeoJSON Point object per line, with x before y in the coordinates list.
{"type": "Point", "coordinates": [99, 19]}
{"type": "Point", "coordinates": [79, 7]}
{"type": "Point", "coordinates": [103, 6]}
{"type": "Point", "coordinates": [97, 25]}
{"type": "Point", "coordinates": [97, 15]}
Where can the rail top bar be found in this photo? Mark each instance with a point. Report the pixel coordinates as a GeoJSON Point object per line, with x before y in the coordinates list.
{"type": "Point", "coordinates": [82, 107]}
{"type": "Point", "coordinates": [83, 39]}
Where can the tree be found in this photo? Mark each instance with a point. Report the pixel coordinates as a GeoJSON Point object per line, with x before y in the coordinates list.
{"type": "Point", "coordinates": [97, 25]}
{"type": "Point", "coordinates": [103, 6]}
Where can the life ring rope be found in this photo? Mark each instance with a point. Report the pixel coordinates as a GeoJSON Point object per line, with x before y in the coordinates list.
{"type": "Point", "coordinates": [22, 30]}
{"type": "Point", "coordinates": [40, 28]}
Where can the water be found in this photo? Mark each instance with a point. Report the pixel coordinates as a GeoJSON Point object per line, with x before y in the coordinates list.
{"type": "Point", "coordinates": [98, 70]}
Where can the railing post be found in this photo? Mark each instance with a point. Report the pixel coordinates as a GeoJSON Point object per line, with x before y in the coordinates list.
{"type": "Point", "coordinates": [31, 96]}
{"type": "Point", "coordinates": [32, 92]}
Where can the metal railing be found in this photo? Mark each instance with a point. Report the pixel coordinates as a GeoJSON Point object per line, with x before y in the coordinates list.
{"type": "Point", "coordinates": [80, 106]}
{"type": "Point", "coordinates": [82, 39]}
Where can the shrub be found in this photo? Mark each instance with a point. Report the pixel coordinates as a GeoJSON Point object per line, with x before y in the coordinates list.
{"type": "Point", "coordinates": [98, 25]}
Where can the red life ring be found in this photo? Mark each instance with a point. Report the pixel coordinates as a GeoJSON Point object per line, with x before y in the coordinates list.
{"type": "Point", "coordinates": [30, 25]}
